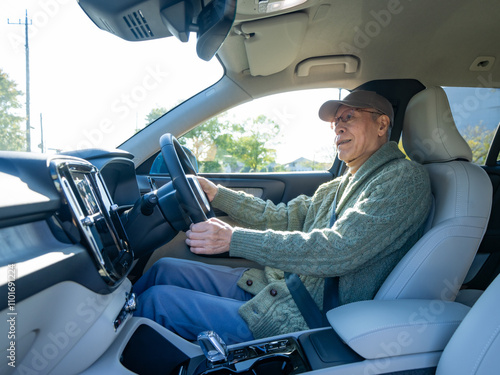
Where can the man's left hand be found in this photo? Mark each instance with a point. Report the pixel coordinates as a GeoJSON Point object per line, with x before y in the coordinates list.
{"type": "Point", "coordinates": [209, 237]}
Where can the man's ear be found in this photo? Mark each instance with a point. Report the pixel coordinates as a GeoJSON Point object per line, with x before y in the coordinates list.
{"type": "Point", "coordinates": [383, 123]}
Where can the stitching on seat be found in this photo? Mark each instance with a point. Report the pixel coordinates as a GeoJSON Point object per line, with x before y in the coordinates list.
{"type": "Point", "coordinates": [485, 350]}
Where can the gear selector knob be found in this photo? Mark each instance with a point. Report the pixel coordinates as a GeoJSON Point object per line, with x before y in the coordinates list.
{"type": "Point", "coordinates": [213, 346]}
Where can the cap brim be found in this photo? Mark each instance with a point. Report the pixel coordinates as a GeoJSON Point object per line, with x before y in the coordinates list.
{"type": "Point", "coordinates": [329, 109]}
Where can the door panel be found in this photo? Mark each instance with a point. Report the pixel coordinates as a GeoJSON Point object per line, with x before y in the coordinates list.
{"type": "Point", "coordinates": [277, 187]}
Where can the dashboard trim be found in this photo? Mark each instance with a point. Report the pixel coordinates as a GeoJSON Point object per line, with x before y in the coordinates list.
{"type": "Point", "coordinates": [93, 213]}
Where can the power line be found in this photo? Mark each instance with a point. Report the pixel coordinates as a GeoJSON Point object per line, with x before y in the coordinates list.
{"type": "Point", "coordinates": [28, 125]}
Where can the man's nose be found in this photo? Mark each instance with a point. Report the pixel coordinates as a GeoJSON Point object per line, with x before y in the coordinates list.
{"type": "Point", "coordinates": [338, 128]}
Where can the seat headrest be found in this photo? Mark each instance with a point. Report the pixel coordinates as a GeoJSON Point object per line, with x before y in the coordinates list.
{"type": "Point", "coordinates": [429, 131]}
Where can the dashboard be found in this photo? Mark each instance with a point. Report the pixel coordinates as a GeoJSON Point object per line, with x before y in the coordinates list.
{"type": "Point", "coordinates": [71, 232]}
{"type": "Point", "coordinates": [79, 214]}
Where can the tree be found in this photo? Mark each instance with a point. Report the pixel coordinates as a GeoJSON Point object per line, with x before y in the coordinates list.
{"type": "Point", "coordinates": [220, 143]}
{"type": "Point", "coordinates": [155, 114]}
{"type": "Point", "coordinates": [210, 167]}
{"type": "Point", "coordinates": [252, 146]}
{"type": "Point", "coordinates": [210, 139]}
{"type": "Point", "coordinates": [479, 139]}
{"type": "Point", "coordinates": [12, 138]}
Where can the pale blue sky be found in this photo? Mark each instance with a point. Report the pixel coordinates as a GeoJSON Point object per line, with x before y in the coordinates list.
{"type": "Point", "coordinates": [85, 77]}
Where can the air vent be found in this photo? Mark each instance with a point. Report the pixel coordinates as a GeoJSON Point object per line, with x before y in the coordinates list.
{"type": "Point", "coordinates": [138, 25]}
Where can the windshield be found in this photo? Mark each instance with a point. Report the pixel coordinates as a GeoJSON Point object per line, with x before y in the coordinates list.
{"type": "Point", "coordinates": [87, 88]}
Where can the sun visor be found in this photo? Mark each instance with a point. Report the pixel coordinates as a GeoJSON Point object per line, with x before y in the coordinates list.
{"type": "Point", "coordinates": [273, 44]}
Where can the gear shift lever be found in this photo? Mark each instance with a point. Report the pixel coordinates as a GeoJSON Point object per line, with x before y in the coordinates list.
{"type": "Point", "coordinates": [213, 346]}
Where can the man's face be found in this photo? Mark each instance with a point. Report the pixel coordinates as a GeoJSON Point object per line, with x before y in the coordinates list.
{"type": "Point", "coordinates": [358, 135]}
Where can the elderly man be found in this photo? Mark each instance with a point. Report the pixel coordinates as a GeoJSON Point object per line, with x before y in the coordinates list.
{"type": "Point", "coordinates": [355, 227]}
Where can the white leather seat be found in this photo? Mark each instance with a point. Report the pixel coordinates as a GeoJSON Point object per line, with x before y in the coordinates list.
{"type": "Point", "coordinates": [475, 345]}
{"type": "Point", "coordinates": [438, 263]}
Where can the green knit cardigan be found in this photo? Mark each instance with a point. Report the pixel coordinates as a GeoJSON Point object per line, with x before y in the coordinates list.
{"type": "Point", "coordinates": [381, 212]}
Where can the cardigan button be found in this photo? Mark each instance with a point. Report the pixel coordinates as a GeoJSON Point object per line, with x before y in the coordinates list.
{"type": "Point", "coordinates": [249, 282]}
{"type": "Point", "coordinates": [273, 292]}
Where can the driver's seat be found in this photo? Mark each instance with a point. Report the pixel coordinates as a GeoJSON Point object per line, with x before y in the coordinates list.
{"type": "Point", "coordinates": [436, 266]}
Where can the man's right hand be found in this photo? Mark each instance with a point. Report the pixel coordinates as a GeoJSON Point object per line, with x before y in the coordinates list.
{"type": "Point", "coordinates": [208, 187]}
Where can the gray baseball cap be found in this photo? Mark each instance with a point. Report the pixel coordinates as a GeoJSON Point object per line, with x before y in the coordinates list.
{"type": "Point", "coordinates": [357, 99]}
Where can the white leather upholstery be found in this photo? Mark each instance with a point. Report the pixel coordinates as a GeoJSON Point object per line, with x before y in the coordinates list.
{"type": "Point", "coordinates": [438, 263]}
{"type": "Point", "coordinates": [429, 131]}
{"type": "Point", "coordinates": [380, 329]}
{"type": "Point", "coordinates": [475, 346]}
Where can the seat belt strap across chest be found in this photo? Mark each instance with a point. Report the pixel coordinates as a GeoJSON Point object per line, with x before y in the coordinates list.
{"type": "Point", "coordinates": [310, 312]}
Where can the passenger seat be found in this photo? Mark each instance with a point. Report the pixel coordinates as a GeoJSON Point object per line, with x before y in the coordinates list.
{"type": "Point", "coordinates": [475, 346]}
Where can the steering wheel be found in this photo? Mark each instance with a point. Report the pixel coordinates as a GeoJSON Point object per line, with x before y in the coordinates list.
{"type": "Point", "coordinates": [187, 190]}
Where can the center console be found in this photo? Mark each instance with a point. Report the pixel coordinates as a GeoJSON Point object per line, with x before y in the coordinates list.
{"type": "Point", "coordinates": [151, 349]}
{"type": "Point", "coordinates": [365, 337]}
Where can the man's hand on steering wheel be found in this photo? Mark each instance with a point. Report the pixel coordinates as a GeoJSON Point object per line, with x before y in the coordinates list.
{"type": "Point", "coordinates": [209, 237]}
{"type": "Point", "coordinates": [208, 187]}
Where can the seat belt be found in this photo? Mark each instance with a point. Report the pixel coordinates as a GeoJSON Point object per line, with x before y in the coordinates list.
{"type": "Point", "coordinates": [310, 311]}
{"type": "Point", "coordinates": [303, 299]}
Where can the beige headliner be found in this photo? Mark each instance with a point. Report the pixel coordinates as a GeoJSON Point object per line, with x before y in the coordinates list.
{"type": "Point", "coordinates": [432, 41]}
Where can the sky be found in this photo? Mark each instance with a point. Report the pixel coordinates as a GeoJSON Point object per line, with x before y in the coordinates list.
{"type": "Point", "coordinates": [85, 78]}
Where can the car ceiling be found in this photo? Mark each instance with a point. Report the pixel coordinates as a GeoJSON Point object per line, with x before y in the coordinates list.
{"type": "Point", "coordinates": [435, 42]}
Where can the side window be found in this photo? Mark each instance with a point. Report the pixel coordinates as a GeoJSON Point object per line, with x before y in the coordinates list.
{"type": "Point", "coordinates": [278, 133]}
{"type": "Point", "coordinates": [476, 112]}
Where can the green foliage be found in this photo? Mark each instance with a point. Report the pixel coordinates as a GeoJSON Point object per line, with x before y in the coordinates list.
{"type": "Point", "coordinates": [12, 138]}
{"type": "Point", "coordinates": [239, 147]}
{"type": "Point", "coordinates": [210, 167]}
{"type": "Point", "coordinates": [155, 114]}
{"type": "Point", "coordinates": [479, 139]}
{"type": "Point", "coordinates": [250, 148]}
{"type": "Point", "coordinates": [208, 139]}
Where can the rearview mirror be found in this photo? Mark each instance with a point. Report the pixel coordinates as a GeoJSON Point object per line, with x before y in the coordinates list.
{"type": "Point", "coordinates": [214, 23]}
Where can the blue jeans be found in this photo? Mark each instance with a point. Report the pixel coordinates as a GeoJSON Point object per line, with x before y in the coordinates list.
{"type": "Point", "coordinates": [189, 297]}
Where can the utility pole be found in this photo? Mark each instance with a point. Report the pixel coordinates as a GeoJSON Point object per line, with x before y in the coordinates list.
{"type": "Point", "coordinates": [41, 134]}
{"type": "Point", "coordinates": [27, 49]}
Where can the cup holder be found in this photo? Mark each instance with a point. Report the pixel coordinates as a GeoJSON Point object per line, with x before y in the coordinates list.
{"type": "Point", "coordinates": [281, 357]}
{"type": "Point", "coordinates": [273, 365]}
